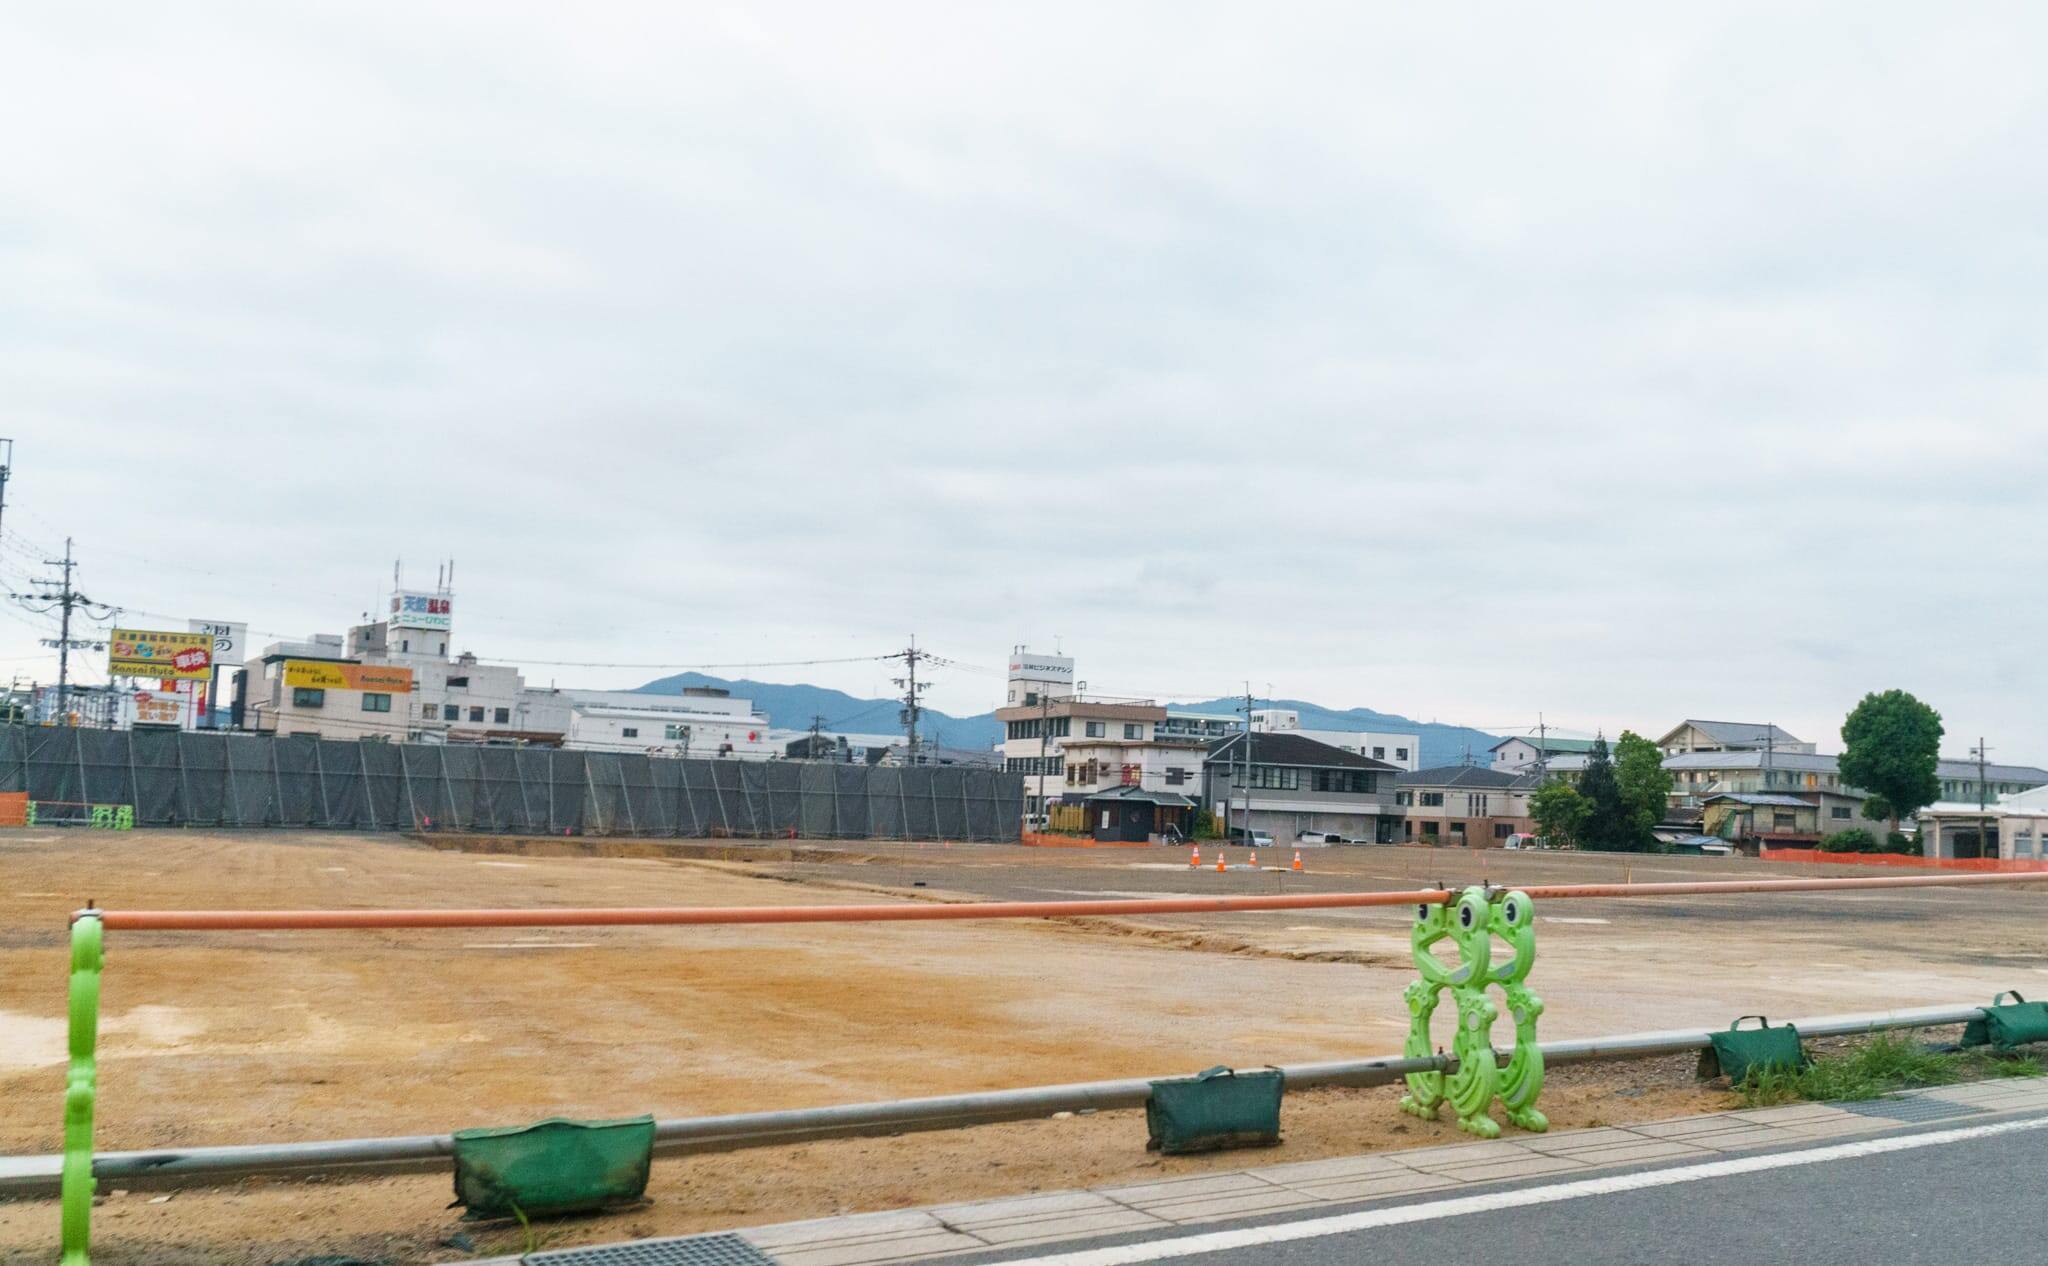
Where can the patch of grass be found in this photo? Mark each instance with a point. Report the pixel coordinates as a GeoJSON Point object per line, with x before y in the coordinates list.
{"type": "Point", "coordinates": [1876, 1067]}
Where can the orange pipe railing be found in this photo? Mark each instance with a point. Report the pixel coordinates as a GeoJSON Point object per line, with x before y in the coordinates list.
{"type": "Point", "coordinates": [910, 912]}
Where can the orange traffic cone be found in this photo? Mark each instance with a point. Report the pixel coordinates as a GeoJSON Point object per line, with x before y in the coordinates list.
{"type": "Point", "coordinates": [1195, 858]}
{"type": "Point", "coordinates": [1220, 864]}
{"type": "Point", "coordinates": [1255, 859]}
{"type": "Point", "coordinates": [1297, 859]}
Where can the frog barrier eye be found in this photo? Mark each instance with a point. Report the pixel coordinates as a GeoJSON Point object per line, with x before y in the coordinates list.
{"type": "Point", "coordinates": [1511, 910]}
{"type": "Point", "coordinates": [1422, 912]}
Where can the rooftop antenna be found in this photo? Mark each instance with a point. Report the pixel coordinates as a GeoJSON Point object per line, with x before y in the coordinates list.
{"type": "Point", "coordinates": [394, 574]}
{"type": "Point", "coordinates": [451, 577]}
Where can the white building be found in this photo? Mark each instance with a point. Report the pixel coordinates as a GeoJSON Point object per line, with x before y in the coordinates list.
{"type": "Point", "coordinates": [702, 721]}
{"type": "Point", "coordinates": [1045, 715]}
{"type": "Point", "coordinates": [1403, 750]}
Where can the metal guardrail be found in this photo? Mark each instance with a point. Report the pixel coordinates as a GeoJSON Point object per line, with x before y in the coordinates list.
{"type": "Point", "coordinates": [39, 1175]}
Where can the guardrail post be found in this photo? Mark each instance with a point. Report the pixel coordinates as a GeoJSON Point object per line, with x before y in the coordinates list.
{"type": "Point", "coordinates": [81, 1089]}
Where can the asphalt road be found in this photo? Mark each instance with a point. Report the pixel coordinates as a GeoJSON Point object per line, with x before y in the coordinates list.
{"type": "Point", "coordinates": [1957, 1195]}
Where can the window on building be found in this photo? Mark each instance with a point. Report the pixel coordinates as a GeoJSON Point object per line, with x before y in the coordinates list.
{"type": "Point", "coordinates": [1176, 775]}
{"type": "Point", "coordinates": [631, 731]}
{"type": "Point", "coordinates": [1098, 729]}
{"type": "Point", "coordinates": [374, 702]}
{"type": "Point", "coordinates": [1501, 830]}
{"type": "Point", "coordinates": [458, 683]}
{"type": "Point", "coordinates": [1433, 799]}
{"type": "Point", "coordinates": [476, 714]}
{"type": "Point", "coordinates": [305, 698]}
{"type": "Point", "coordinates": [1345, 781]}
{"type": "Point", "coordinates": [1400, 753]}
{"type": "Point", "coordinates": [1379, 753]}
{"type": "Point", "coordinates": [1276, 777]}
{"type": "Point", "coordinates": [405, 645]}
{"type": "Point", "coordinates": [1839, 813]}
{"type": "Point", "coordinates": [1404, 797]}
{"type": "Point", "coordinates": [501, 716]}
{"type": "Point", "coordinates": [675, 733]}
{"type": "Point", "coordinates": [449, 712]}
{"type": "Point", "coordinates": [1133, 730]}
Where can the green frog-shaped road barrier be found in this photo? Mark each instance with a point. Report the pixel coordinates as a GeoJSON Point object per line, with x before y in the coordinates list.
{"type": "Point", "coordinates": [1472, 923]}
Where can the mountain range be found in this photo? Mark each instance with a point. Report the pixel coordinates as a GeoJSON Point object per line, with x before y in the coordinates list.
{"type": "Point", "coordinates": [791, 706]}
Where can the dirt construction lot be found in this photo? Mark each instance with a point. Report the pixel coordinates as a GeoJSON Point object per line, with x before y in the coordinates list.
{"type": "Point", "coordinates": [249, 1037]}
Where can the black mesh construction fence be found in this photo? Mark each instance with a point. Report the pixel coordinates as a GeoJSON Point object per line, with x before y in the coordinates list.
{"type": "Point", "coordinates": [258, 780]}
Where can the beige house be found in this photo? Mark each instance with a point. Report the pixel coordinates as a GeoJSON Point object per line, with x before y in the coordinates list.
{"type": "Point", "coordinates": [1464, 805]}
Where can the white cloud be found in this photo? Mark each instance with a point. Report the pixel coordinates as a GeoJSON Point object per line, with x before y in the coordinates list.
{"type": "Point", "coordinates": [1617, 363]}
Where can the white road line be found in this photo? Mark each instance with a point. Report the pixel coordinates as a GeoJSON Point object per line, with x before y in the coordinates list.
{"type": "Point", "coordinates": [1371, 1219]}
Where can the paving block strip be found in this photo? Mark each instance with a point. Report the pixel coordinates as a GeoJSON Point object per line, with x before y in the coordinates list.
{"type": "Point", "coordinates": [948, 1230]}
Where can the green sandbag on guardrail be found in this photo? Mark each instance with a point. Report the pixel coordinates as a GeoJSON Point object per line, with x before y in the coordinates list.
{"type": "Point", "coordinates": [1215, 1109]}
{"type": "Point", "coordinates": [1736, 1050]}
{"type": "Point", "coordinates": [552, 1167]}
{"type": "Point", "coordinates": [2005, 1025]}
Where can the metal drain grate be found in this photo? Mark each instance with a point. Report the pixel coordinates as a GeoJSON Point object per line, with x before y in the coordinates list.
{"type": "Point", "coordinates": [689, 1250]}
{"type": "Point", "coordinates": [1914, 1108]}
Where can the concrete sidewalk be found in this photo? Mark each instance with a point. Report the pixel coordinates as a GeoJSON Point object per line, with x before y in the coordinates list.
{"type": "Point", "coordinates": [941, 1230]}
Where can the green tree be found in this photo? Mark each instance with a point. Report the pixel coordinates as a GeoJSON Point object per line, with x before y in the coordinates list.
{"type": "Point", "coordinates": [1890, 744]}
{"type": "Point", "coordinates": [1608, 825]}
{"type": "Point", "coordinates": [1560, 812]}
{"type": "Point", "coordinates": [1644, 783]}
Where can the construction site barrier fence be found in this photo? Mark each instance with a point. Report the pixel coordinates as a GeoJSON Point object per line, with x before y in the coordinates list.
{"type": "Point", "coordinates": [1971, 865]}
{"type": "Point", "coordinates": [191, 778]}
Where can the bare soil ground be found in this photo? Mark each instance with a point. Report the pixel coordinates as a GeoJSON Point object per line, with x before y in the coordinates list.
{"type": "Point", "coordinates": [248, 1037]}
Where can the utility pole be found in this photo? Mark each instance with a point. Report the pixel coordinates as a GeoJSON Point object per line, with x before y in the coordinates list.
{"type": "Point", "coordinates": [1247, 765]}
{"type": "Point", "coordinates": [912, 704]}
{"type": "Point", "coordinates": [817, 725]}
{"type": "Point", "coordinates": [1542, 750]}
{"type": "Point", "coordinates": [1983, 800]}
{"type": "Point", "coordinates": [65, 600]}
{"type": "Point", "coordinates": [1770, 750]}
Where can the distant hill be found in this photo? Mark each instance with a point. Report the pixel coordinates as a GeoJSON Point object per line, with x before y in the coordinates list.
{"type": "Point", "coordinates": [1441, 744]}
{"type": "Point", "coordinates": [792, 707]}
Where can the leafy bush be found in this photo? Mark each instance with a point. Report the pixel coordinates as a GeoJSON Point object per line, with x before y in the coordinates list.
{"type": "Point", "coordinates": [1853, 840]}
{"type": "Point", "coordinates": [1900, 842]}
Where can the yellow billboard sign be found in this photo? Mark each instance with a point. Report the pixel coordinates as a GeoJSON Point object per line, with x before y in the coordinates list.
{"type": "Point", "coordinates": [165, 656]}
{"type": "Point", "coordinates": [310, 674]}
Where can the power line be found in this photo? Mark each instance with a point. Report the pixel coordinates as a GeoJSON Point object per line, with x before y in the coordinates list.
{"type": "Point", "coordinates": [66, 599]}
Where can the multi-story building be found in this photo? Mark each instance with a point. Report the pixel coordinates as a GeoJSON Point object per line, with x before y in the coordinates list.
{"type": "Point", "coordinates": [1730, 736]}
{"type": "Point", "coordinates": [1291, 784]}
{"type": "Point", "coordinates": [315, 687]}
{"type": "Point", "coordinates": [1049, 724]}
{"type": "Point", "coordinates": [1464, 805]}
{"type": "Point", "coordinates": [1154, 763]}
{"type": "Point", "coordinates": [1035, 737]}
{"type": "Point", "coordinates": [1401, 750]}
{"type": "Point", "coordinates": [1526, 755]}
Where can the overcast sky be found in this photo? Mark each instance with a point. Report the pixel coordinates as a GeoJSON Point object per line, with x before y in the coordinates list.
{"type": "Point", "coordinates": [1464, 362]}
